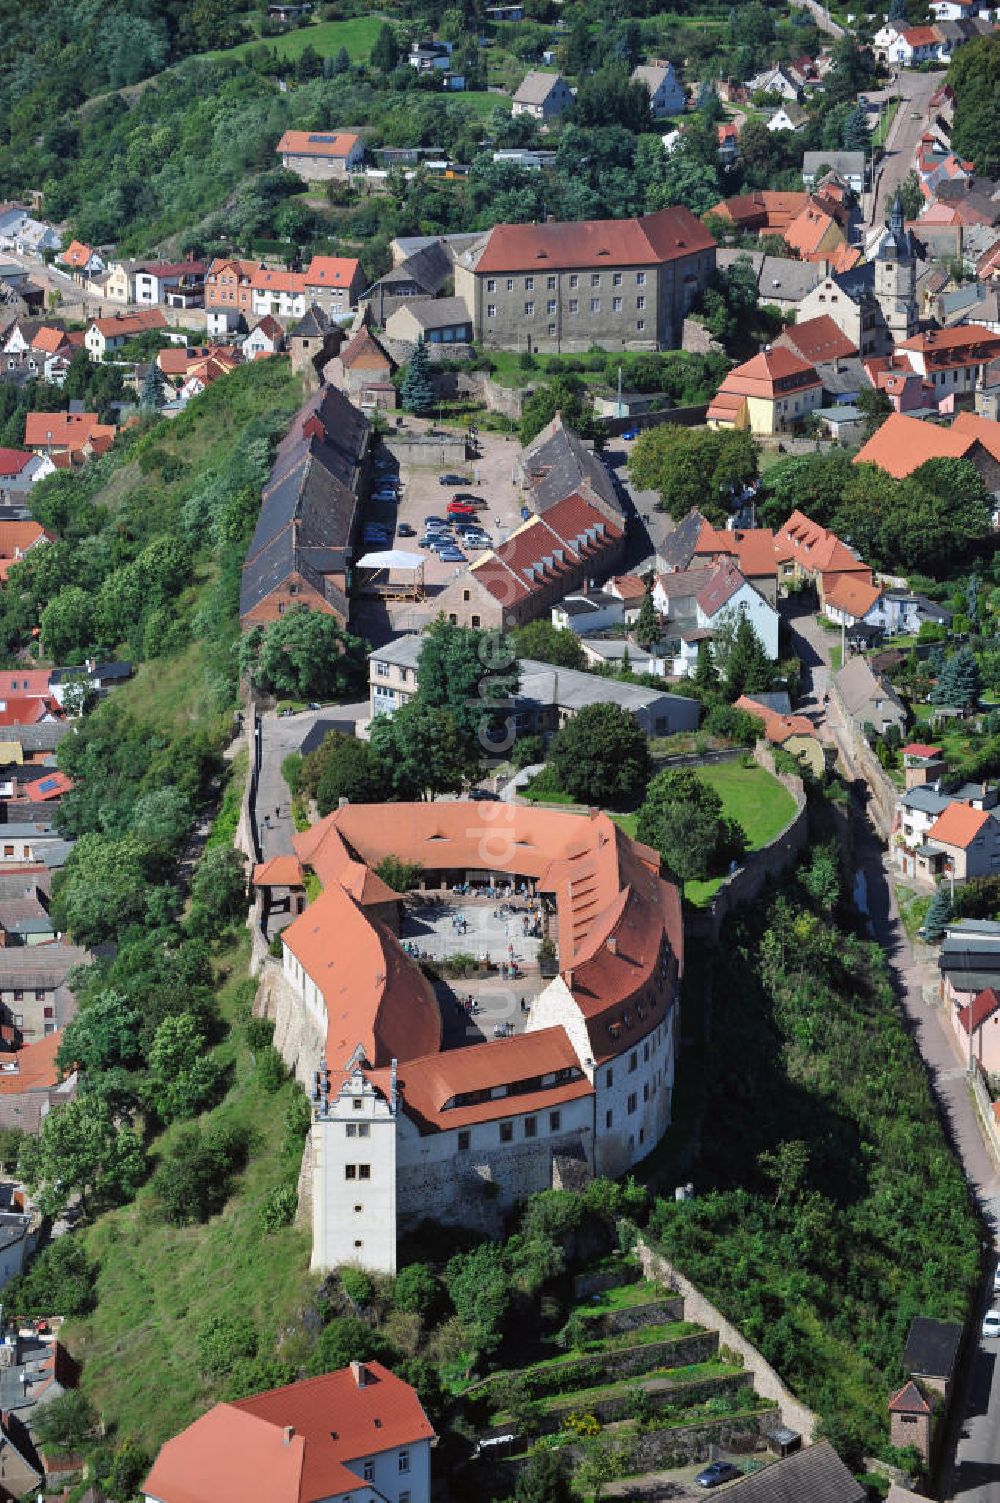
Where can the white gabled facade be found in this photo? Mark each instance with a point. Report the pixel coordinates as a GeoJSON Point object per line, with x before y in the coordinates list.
{"type": "Point", "coordinates": [354, 1175]}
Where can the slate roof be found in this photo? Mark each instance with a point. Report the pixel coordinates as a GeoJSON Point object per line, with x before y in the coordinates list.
{"type": "Point", "coordinates": [309, 504]}
{"type": "Point", "coordinates": [557, 463]}
{"type": "Point", "coordinates": [815, 1473]}
{"type": "Point", "coordinates": [313, 324]}
{"type": "Point", "coordinates": [429, 268]}
{"type": "Point", "coordinates": [677, 549]}
{"type": "Point", "coordinates": [932, 1347]}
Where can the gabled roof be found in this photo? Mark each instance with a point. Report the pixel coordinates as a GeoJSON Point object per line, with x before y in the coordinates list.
{"type": "Point", "coordinates": [331, 271]}
{"type": "Point", "coordinates": [543, 549]}
{"type": "Point", "coordinates": [859, 686]}
{"type": "Point", "coordinates": [752, 548]}
{"type": "Point", "coordinates": [557, 463]}
{"type": "Point", "coordinates": [909, 1400]}
{"type": "Point", "coordinates": [535, 87]}
{"type": "Point", "coordinates": [328, 145]}
{"type": "Point", "coordinates": [778, 728]}
{"type": "Point", "coordinates": [819, 549]}
{"type": "Point", "coordinates": [129, 324]}
{"type": "Point", "coordinates": [815, 1474]}
{"type": "Point", "coordinates": [958, 825]}
{"type": "Point", "coordinates": [63, 429]}
{"type": "Point", "coordinates": [13, 461]}
{"type": "Point", "coordinates": [769, 375]}
{"type": "Point", "coordinates": [280, 871]}
{"type": "Point", "coordinates": [932, 1347]}
{"type": "Point", "coordinates": [290, 1445]}
{"type": "Point", "coordinates": [983, 1006]}
{"type": "Point", "coordinates": [77, 254]}
{"type": "Point", "coordinates": [921, 749]}
{"type": "Point", "coordinates": [725, 582]}
{"type": "Point", "coordinates": [853, 595]}
{"type": "Point", "coordinates": [667, 235]}
{"type": "Point", "coordinates": [678, 547]}
{"type": "Point", "coordinates": [818, 339]}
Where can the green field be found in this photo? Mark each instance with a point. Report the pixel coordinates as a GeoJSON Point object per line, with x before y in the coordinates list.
{"type": "Point", "coordinates": [357, 35]}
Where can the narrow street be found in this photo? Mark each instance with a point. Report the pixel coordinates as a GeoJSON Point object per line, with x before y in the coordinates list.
{"type": "Point", "coordinates": [915, 90]}
{"type": "Point", "coordinates": [969, 1470]}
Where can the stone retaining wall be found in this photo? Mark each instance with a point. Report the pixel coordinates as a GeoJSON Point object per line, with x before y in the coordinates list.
{"type": "Point", "coordinates": [620, 1406]}
{"type": "Point", "coordinates": [609, 1367]}
{"type": "Point", "coordinates": [586, 1284]}
{"type": "Point", "coordinates": [635, 1317]}
{"type": "Point", "coordinates": [298, 1038]}
{"type": "Point", "coordinates": [766, 1381]}
{"type": "Point", "coordinates": [442, 453]}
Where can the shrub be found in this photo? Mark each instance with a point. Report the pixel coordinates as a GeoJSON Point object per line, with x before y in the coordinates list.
{"type": "Point", "coordinates": [270, 1070]}
{"type": "Point", "coordinates": [61, 1280]}
{"type": "Point", "coordinates": [279, 1208]}
{"type": "Point", "coordinates": [417, 1290]}
{"type": "Point", "coordinates": [356, 1285]}
{"type": "Point", "coordinates": [259, 1032]}
{"type": "Point", "coordinates": [64, 1423]}
{"type": "Point", "coordinates": [195, 1175]}
{"type": "Point", "coordinates": [225, 1340]}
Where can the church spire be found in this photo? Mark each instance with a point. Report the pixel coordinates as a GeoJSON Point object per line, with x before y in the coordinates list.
{"type": "Point", "coordinates": [896, 221]}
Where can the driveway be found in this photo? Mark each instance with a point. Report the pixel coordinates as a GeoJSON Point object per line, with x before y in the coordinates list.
{"type": "Point", "coordinates": [280, 736]}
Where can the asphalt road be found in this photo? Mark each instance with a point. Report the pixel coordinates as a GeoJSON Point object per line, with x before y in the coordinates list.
{"type": "Point", "coordinates": [822, 17]}
{"type": "Point", "coordinates": [915, 90]}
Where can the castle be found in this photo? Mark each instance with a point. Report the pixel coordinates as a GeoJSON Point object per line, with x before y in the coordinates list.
{"type": "Point", "coordinates": [405, 1128]}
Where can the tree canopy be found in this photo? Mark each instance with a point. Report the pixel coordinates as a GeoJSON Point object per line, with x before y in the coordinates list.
{"type": "Point", "coordinates": [601, 756]}
{"type": "Point", "coordinates": [693, 467]}
{"type": "Point", "coordinates": [683, 818]}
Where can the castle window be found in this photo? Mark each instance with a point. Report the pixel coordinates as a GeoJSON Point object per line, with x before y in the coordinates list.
{"type": "Point", "coordinates": [531, 1127]}
{"type": "Point", "coordinates": [633, 1061]}
{"type": "Point", "coordinates": [352, 1129]}
{"type": "Point", "coordinates": [357, 1103]}
{"type": "Point", "coordinates": [350, 1171]}
{"type": "Point", "coordinates": [364, 1171]}
{"type": "Point", "coordinates": [464, 1140]}
{"type": "Point", "coordinates": [608, 1119]}
{"type": "Point", "coordinates": [363, 1130]}
{"type": "Point", "coordinates": [633, 1102]}
{"type": "Point", "coordinates": [506, 1132]}
{"type": "Point", "coordinates": [555, 1121]}
{"type": "Point", "coordinates": [609, 1078]}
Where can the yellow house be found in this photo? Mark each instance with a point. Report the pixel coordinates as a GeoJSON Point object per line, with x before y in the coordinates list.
{"type": "Point", "coordinates": [120, 285]}
{"type": "Point", "coordinates": [793, 733]}
{"type": "Point", "coordinates": [771, 393]}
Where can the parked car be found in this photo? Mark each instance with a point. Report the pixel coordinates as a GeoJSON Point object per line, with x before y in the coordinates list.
{"type": "Point", "coordinates": [451, 479]}
{"type": "Point", "coordinates": [388, 497]}
{"type": "Point", "coordinates": [451, 555]}
{"type": "Point", "coordinates": [465, 496]}
{"type": "Point", "coordinates": [406, 531]}
{"type": "Point", "coordinates": [435, 522]}
{"type": "Point", "coordinates": [716, 1473]}
{"type": "Point", "coordinates": [460, 509]}
{"type": "Point", "coordinates": [482, 794]}
{"type": "Point", "coordinates": [991, 1325]}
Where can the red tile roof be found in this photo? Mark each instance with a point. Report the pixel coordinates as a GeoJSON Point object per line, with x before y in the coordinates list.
{"type": "Point", "coordinates": [52, 785]}
{"type": "Point", "coordinates": [726, 581]}
{"type": "Point", "coordinates": [983, 1006]}
{"type": "Point", "coordinates": [664, 236]}
{"type": "Point", "coordinates": [922, 750]}
{"type": "Point", "coordinates": [280, 871]}
{"type": "Point", "coordinates": [13, 461]}
{"type": "Point", "coordinates": [751, 547]}
{"type": "Point", "coordinates": [529, 559]}
{"type": "Point", "coordinates": [36, 1067]}
{"type": "Point", "coordinates": [808, 230]}
{"type": "Point", "coordinates": [972, 426]}
{"type": "Point", "coordinates": [30, 682]}
{"type": "Point", "coordinates": [48, 340]}
{"type": "Point", "coordinates": [63, 429]}
{"type": "Point", "coordinates": [628, 587]}
{"type": "Point", "coordinates": [21, 711]}
{"type": "Point", "coordinates": [762, 209]}
{"type": "Point", "coordinates": [770, 374]}
{"type": "Point", "coordinates": [326, 144]}
{"type": "Point", "coordinates": [129, 324]}
{"type": "Point", "coordinates": [965, 344]}
{"type": "Point", "coordinates": [430, 1084]}
{"type": "Point", "coordinates": [902, 444]}
{"type": "Point", "coordinates": [818, 339]}
{"type": "Point", "coordinates": [76, 255]}
{"type": "Point", "coordinates": [816, 548]}
{"type": "Point", "coordinates": [958, 825]}
{"type": "Point", "coordinates": [921, 36]}
{"type": "Point", "coordinates": [909, 1400]}
{"type": "Point", "coordinates": [290, 1445]}
{"type": "Point", "coordinates": [331, 271]}
{"type": "Point", "coordinates": [777, 728]}
{"type": "Point", "coordinates": [852, 594]}
{"type": "Point", "coordinates": [268, 279]}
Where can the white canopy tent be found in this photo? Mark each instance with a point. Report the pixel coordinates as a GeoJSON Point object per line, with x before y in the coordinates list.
{"type": "Point", "coordinates": [393, 572]}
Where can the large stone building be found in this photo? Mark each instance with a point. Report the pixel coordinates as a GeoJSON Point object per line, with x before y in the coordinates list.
{"type": "Point", "coordinates": [404, 1128]}
{"type": "Point", "coordinates": [896, 278]}
{"type": "Point", "coordinates": [622, 284]}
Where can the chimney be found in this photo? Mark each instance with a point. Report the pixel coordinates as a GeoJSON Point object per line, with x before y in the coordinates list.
{"type": "Point", "coordinates": [289, 1434]}
{"type": "Point", "coordinates": [360, 1374]}
{"type": "Point", "coordinates": [613, 944]}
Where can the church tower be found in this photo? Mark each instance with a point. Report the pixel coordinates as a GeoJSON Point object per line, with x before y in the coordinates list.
{"type": "Point", "coordinates": [896, 278]}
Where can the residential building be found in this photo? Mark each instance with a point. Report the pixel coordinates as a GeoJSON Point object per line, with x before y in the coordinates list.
{"type": "Point", "coordinates": [816, 340]}
{"type": "Point", "coordinates": [431, 57]}
{"type": "Point", "coordinates": [849, 298]}
{"type": "Point", "coordinates": [903, 443]}
{"type": "Point", "coordinates": [589, 1083]}
{"type": "Point", "coordinates": [426, 272]}
{"type": "Point", "coordinates": [17, 539]}
{"type": "Point", "coordinates": [772, 393]}
{"type": "Point", "coordinates": [179, 284]}
{"type": "Point", "coordinates": [868, 699]}
{"type": "Point", "coordinates": [544, 559]}
{"type": "Point", "coordinates": [848, 165]}
{"type": "Point", "coordinates": [228, 285]}
{"type": "Point", "coordinates": [19, 471]}
{"type": "Point", "coordinates": [542, 96]}
{"type": "Point", "coordinates": [849, 599]}
{"type": "Point", "coordinates": [922, 764]}
{"type": "Point", "coordinates": [267, 337]}
{"type": "Point", "coordinates": [441, 320]}
{"type": "Point", "coordinates": [812, 553]}
{"type": "Point", "coordinates": [80, 260]}
{"type": "Point", "coordinates": [916, 811]}
{"type": "Point", "coordinates": [788, 116]}
{"type": "Point", "coordinates": [280, 293]}
{"type": "Point", "coordinates": [301, 547]}
{"type": "Point", "coordinates": [795, 734]}
{"type": "Point", "coordinates": [751, 549]}
{"type": "Point", "coordinates": [776, 81]}
{"type": "Point", "coordinates": [591, 610]}
{"type": "Point", "coordinates": [782, 283]}
{"type": "Point", "coordinates": [816, 1473]}
{"type": "Point", "coordinates": [619, 284]}
{"type": "Point", "coordinates": [67, 433]}
{"type": "Point", "coordinates": [963, 842]}
{"type": "Point", "coordinates": [107, 335]}
{"type": "Point", "coordinates": [317, 156]}
{"type": "Point", "coordinates": [726, 597]}
{"type": "Point", "coordinates": [666, 92]}
{"type": "Point", "coordinates": [951, 360]}
{"type": "Point", "coordinates": [35, 997]}
{"type": "Point", "coordinates": [358, 1435]}
{"type": "Point", "coordinates": [31, 1084]}
{"type": "Point", "coordinates": [334, 283]}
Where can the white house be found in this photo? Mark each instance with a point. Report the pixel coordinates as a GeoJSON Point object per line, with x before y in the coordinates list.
{"type": "Point", "coordinates": [773, 81]}
{"type": "Point", "coordinates": [357, 1435]}
{"type": "Point", "coordinates": [20, 470]}
{"type": "Point", "coordinates": [281, 293]}
{"type": "Point", "coordinates": [666, 92]}
{"type": "Point", "coordinates": [587, 613]}
{"type": "Point", "coordinates": [955, 10]}
{"type": "Point", "coordinates": [904, 47]}
{"type": "Point", "coordinates": [729, 595]}
{"type": "Point", "coordinates": [790, 116]}
{"type": "Point", "coordinates": [265, 338]}
{"type": "Point", "coordinates": [32, 238]}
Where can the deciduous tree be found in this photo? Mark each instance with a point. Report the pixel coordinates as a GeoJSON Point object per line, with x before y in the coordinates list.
{"type": "Point", "coordinates": [601, 756]}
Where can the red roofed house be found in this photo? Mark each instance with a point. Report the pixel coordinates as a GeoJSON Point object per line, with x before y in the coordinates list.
{"type": "Point", "coordinates": [849, 599]}
{"type": "Point", "coordinates": [16, 541]}
{"type": "Point", "coordinates": [951, 359]}
{"type": "Point", "coordinates": [750, 548]}
{"type": "Point", "coordinates": [177, 284]}
{"type": "Point", "coordinates": [977, 1025]}
{"type": "Point", "coordinates": [622, 284]}
{"type": "Point", "coordinates": [19, 471]}
{"type": "Point", "coordinates": [543, 560]}
{"type": "Point", "coordinates": [105, 335]}
{"type": "Point", "coordinates": [921, 764]}
{"type": "Point", "coordinates": [902, 444]}
{"type": "Point", "coordinates": [795, 734]}
{"type": "Point", "coordinates": [267, 337]}
{"type": "Point", "coordinates": [319, 155]}
{"type": "Point", "coordinates": [722, 600]}
{"type": "Point", "coordinates": [358, 1435]}
{"type": "Point", "coordinates": [334, 283]}
{"type": "Point", "coordinates": [64, 432]}
{"type": "Point", "coordinates": [364, 370]}
{"type": "Point", "coordinates": [963, 842]}
{"type": "Point", "coordinates": [810, 552]}
{"type": "Point", "coordinates": [80, 260]}
{"type": "Point", "coordinates": [816, 340]}
{"type": "Point", "coordinates": [772, 393]}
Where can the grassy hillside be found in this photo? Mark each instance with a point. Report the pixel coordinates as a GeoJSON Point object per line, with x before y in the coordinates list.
{"type": "Point", "coordinates": [159, 1284]}
{"type": "Point", "coordinates": [357, 35]}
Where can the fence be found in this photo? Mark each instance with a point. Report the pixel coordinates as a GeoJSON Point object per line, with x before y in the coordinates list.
{"type": "Point", "coordinates": [697, 1308]}
{"type": "Point", "coordinates": [987, 1116]}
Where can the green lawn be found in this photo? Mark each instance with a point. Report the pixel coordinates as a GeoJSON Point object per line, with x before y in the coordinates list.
{"type": "Point", "coordinates": [357, 35]}
{"type": "Point", "coordinates": [508, 370]}
{"type": "Point", "coordinates": [158, 1283]}
{"type": "Point", "coordinates": [749, 794]}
